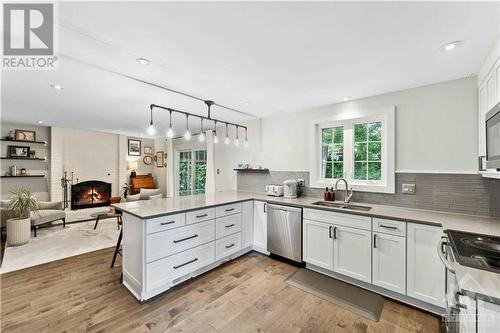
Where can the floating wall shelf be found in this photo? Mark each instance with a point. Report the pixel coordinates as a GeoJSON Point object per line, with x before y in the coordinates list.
{"type": "Point", "coordinates": [23, 158]}
{"type": "Point", "coordinates": [25, 141]}
{"type": "Point", "coordinates": [251, 170]}
{"type": "Point", "coordinates": [24, 176]}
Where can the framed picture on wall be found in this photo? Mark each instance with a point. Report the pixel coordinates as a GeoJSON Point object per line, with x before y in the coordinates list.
{"type": "Point", "coordinates": [148, 150]}
{"type": "Point", "coordinates": [160, 159]}
{"type": "Point", "coordinates": [18, 151]}
{"type": "Point", "coordinates": [25, 135]}
{"type": "Point", "coordinates": [134, 147]}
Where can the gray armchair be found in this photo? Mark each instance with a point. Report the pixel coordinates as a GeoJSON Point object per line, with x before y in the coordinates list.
{"type": "Point", "coordinates": [47, 212]}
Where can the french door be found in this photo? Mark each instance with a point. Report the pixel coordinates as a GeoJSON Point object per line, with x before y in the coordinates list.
{"type": "Point", "coordinates": [191, 171]}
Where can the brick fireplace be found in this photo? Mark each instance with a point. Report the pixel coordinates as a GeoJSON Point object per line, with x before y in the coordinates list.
{"type": "Point", "coordinates": [89, 194]}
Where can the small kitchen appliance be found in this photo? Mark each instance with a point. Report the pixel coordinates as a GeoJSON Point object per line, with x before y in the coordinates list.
{"type": "Point", "coordinates": [274, 190]}
{"type": "Point", "coordinates": [291, 188]}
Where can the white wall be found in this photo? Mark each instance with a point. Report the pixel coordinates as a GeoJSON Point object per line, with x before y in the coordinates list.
{"type": "Point", "coordinates": [436, 131]}
{"type": "Point", "coordinates": [89, 155]}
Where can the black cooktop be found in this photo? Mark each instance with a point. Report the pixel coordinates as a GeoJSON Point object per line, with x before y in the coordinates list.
{"type": "Point", "coordinates": [475, 250]}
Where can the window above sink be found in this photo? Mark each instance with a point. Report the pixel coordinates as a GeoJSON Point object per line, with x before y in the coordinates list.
{"type": "Point", "coordinates": [358, 146]}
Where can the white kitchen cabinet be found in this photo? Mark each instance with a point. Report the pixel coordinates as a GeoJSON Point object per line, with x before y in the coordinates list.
{"type": "Point", "coordinates": [247, 224]}
{"type": "Point", "coordinates": [318, 243]}
{"type": "Point", "coordinates": [467, 315]}
{"type": "Point", "coordinates": [482, 109]}
{"type": "Point", "coordinates": [260, 226]}
{"type": "Point", "coordinates": [389, 262]}
{"type": "Point", "coordinates": [491, 89]}
{"type": "Point", "coordinates": [425, 271]}
{"type": "Point", "coordinates": [488, 317]}
{"type": "Point", "coordinates": [352, 252]}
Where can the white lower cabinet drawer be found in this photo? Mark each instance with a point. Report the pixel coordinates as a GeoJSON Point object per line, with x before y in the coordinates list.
{"type": "Point", "coordinates": [227, 225]}
{"type": "Point", "coordinates": [227, 246]}
{"type": "Point", "coordinates": [162, 272]}
{"type": "Point", "coordinates": [200, 215]}
{"type": "Point", "coordinates": [391, 227]}
{"type": "Point", "coordinates": [163, 223]}
{"type": "Point", "coordinates": [228, 209]}
{"type": "Point", "coordinates": [166, 243]}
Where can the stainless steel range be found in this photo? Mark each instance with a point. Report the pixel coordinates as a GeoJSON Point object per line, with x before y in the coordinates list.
{"type": "Point", "coordinates": [475, 250]}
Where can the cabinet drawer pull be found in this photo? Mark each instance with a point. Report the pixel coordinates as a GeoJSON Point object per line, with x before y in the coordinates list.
{"type": "Point", "coordinates": [167, 223]}
{"type": "Point", "coordinates": [186, 263]}
{"type": "Point", "coordinates": [229, 209]}
{"type": "Point", "coordinates": [375, 241]}
{"type": "Point", "coordinates": [229, 226]}
{"type": "Point", "coordinates": [202, 215]}
{"type": "Point", "coordinates": [461, 306]}
{"type": "Point", "coordinates": [229, 246]}
{"type": "Point", "coordinates": [334, 232]}
{"type": "Point", "coordinates": [330, 231]}
{"type": "Point", "coordinates": [185, 239]}
{"type": "Point", "coordinates": [388, 227]}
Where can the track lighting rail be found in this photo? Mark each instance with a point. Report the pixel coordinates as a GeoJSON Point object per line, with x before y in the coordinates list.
{"type": "Point", "coordinates": [209, 118]}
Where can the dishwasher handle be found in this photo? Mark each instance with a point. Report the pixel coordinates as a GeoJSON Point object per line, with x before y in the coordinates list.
{"type": "Point", "coordinates": [284, 208]}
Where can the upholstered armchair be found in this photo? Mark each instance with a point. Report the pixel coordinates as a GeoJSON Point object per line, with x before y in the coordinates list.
{"type": "Point", "coordinates": [47, 212]}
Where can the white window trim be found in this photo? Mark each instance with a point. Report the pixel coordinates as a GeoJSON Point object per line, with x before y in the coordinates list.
{"type": "Point", "coordinates": [385, 115]}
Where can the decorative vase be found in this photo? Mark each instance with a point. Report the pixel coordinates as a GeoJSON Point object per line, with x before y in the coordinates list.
{"type": "Point", "coordinates": [18, 231]}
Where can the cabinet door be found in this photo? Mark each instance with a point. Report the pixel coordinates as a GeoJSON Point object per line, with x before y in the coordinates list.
{"type": "Point", "coordinates": [425, 271]}
{"type": "Point", "coordinates": [488, 317]}
{"type": "Point", "coordinates": [247, 224]}
{"type": "Point", "coordinates": [318, 244]}
{"type": "Point", "coordinates": [497, 80]}
{"type": "Point", "coordinates": [260, 225]}
{"type": "Point", "coordinates": [491, 89]}
{"type": "Point", "coordinates": [352, 252]}
{"type": "Point", "coordinates": [389, 262]}
{"type": "Point", "coordinates": [467, 315]}
{"type": "Point", "coordinates": [482, 109]}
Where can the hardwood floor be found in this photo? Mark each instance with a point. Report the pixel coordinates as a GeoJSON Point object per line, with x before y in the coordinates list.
{"type": "Point", "coordinates": [82, 294]}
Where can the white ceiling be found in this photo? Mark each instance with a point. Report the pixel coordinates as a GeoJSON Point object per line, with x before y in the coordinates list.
{"type": "Point", "coordinates": [262, 58]}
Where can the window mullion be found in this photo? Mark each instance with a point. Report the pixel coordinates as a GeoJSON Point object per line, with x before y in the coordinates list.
{"type": "Point", "coordinates": [348, 150]}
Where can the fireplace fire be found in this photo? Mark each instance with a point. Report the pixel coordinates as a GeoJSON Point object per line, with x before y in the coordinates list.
{"type": "Point", "coordinates": [89, 194]}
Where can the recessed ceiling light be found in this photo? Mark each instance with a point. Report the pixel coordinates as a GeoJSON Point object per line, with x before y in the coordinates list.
{"type": "Point", "coordinates": [450, 46]}
{"type": "Point", "coordinates": [56, 86]}
{"type": "Point", "coordinates": [346, 98]}
{"type": "Point", "coordinates": [39, 121]}
{"type": "Point", "coordinates": [142, 61]}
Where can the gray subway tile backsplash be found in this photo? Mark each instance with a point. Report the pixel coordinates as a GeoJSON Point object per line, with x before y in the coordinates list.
{"type": "Point", "coordinates": [457, 193]}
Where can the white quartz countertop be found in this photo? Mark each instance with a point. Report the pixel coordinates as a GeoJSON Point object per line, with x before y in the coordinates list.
{"type": "Point", "coordinates": [461, 222]}
{"type": "Point", "coordinates": [471, 281]}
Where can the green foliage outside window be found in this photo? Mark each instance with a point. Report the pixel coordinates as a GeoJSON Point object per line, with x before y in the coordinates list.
{"type": "Point", "coordinates": [332, 140]}
{"type": "Point", "coordinates": [368, 151]}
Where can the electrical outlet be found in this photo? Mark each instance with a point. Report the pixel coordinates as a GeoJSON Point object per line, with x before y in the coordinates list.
{"type": "Point", "coordinates": [408, 188]}
{"type": "Point", "coordinates": [300, 182]}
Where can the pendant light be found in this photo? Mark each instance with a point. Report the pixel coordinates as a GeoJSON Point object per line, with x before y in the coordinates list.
{"type": "Point", "coordinates": [170, 131]}
{"type": "Point", "coordinates": [151, 128]}
{"type": "Point", "coordinates": [246, 138]}
{"type": "Point", "coordinates": [226, 140]}
{"type": "Point", "coordinates": [237, 141]}
{"type": "Point", "coordinates": [216, 139]}
{"type": "Point", "coordinates": [187, 135]}
{"type": "Point", "coordinates": [201, 137]}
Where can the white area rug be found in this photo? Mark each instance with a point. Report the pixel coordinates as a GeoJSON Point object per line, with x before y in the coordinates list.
{"type": "Point", "coordinates": [56, 243]}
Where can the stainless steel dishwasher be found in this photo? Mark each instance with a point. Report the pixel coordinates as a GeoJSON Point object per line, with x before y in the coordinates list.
{"type": "Point", "coordinates": [284, 231]}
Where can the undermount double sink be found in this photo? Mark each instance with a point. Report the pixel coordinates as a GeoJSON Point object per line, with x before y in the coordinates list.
{"type": "Point", "coordinates": [341, 205]}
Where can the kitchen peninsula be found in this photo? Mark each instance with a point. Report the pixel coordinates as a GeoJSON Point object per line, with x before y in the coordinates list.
{"type": "Point", "coordinates": [168, 241]}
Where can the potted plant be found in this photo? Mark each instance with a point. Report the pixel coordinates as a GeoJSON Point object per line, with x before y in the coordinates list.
{"type": "Point", "coordinates": [22, 204]}
{"type": "Point", "coordinates": [125, 189]}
